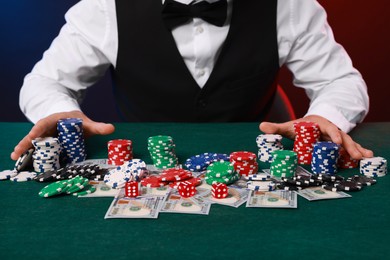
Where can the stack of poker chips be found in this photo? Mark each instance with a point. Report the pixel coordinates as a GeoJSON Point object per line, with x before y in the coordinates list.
{"type": "Point", "coordinates": [221, 172]}
{"type": "Point", "coordinates": [345, 161]}
{"type": "Point", "coordinates": [46, 156]}
{"type": "Point", "coordinates": [134, 170]}
{"type": "Point", "coordinates": [260, 182]}
{"type": "Point", "coordinates": [244, 162]}
{"type": "Point", "coordinates": [70, 134]}
{"type": "Point", "coordinates": [306, 135]}
{"type": "Point", "coordinates": [200, 162]}
{"type": "Point", "coordinates": [267, 144]}
{"type": "Point", "coordinates": [324, 159]}
{"type": "Point", "coordinates": [284, 163]}
{"type": "Point", "coordinates": [373, 167]}
{"type": "Point", "coordinates": [119, 151]}
{"type": "Point", "coordinates": [162, 151]}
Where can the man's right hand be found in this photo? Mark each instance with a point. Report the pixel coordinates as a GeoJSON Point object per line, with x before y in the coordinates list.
{"type": "Point", "coordinates": [48, 127]}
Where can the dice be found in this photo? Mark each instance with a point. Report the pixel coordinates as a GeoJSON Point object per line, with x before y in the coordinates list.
{"type": "Point", "coordinates": [186, 189]}
{"type": "Point", "coordinates": [131, 189]}
{"type": "Point", "coordinates": [219, 190]}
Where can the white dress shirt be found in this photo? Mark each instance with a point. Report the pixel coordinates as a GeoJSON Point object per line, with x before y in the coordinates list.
{"type": "Point", "coordinates": [88, 44]}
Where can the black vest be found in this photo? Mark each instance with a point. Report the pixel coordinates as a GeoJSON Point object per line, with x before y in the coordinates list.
{"type": "Point", "coordinates": [153, 84]}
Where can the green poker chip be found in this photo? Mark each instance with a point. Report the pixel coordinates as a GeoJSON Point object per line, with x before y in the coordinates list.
{"type": "Point", "coordinates": [53, 189]}
{"type": "Point", "coordinates": [88, 189]}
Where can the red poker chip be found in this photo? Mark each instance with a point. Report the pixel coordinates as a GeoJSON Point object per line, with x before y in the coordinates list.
{"type": "Point", "coordinates": [243, 156]}
{"type": "Point", "coordinates": [345, 161]}
{"type": "Point", "coordinates": [152, 182]}
{"type": "Point", "coordinates": [193, 181]}
{"type": "Point", "coordinates": [119, 151]}
{"type": "Point", "coordinates": [174, 174]}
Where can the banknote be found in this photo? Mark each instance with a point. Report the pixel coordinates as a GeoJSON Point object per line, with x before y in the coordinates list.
{"type": "Point", "coordinates": [102, 190]}
{"type": "Point", "coordinates": [235, 198]}
{"type": "Point", "coordinates": [140, 207]}
{"type": "Point", "coordinates": [319, 193]}
{"type": "Point", "coordinates": [174, 203]}
{"type": "Point", "coordinates": [272, 199]}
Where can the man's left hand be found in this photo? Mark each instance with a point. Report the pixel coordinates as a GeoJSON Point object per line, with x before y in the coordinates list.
{"type": "Point", "coordinates": [329, 132]}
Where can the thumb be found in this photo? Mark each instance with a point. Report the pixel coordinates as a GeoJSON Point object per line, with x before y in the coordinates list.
{"type": "Point", "coordinates": [285, 129]}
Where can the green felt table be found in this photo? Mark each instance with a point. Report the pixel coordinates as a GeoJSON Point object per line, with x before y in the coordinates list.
{"type": "Point", "coordinates": [32, 227]}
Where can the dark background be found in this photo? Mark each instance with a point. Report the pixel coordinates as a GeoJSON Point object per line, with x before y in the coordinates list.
{"type": "Point", "coordinates": [28, 27]}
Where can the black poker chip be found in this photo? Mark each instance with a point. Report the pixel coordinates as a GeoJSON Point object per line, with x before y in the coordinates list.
{"type": "Point", "coordinates": [284, 186]}
{"type": "Point", "coordinates": [343, 185]}
{"type": "Point", "coordinates": [329, 178]}
{"type": "Point", "coordinates": [363, 180]}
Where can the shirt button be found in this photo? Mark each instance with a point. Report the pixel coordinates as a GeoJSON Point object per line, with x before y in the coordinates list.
{"type": "Point", "coordinates": [201, 73]}
{"type": "Point", "coordinates": [199, 29]}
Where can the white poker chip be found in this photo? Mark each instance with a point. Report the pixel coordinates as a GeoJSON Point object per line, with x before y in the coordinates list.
{"type": "Point", "coordinates": [7, 174]}
{"type": "Point", "coordinates": [24, 160]}
{"type": "Point", "coordinates": [23, 176]}
{"type": "Point", "coordinates": [115, 179]}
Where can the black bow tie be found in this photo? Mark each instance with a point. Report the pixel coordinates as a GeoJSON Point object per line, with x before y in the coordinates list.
{"type": "Point", "coordinates": [175, 13]}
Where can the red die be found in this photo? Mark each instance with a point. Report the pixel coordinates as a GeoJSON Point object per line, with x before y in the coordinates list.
{"type": "Point", "coordinates": [131, 189]}
{"type": "Point", "coordinates": [186, 189]}
{"type": "Point", "coordinates": [219, 190]}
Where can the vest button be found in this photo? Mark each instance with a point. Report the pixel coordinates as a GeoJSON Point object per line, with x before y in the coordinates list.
{"type": "Point", "coordinates": [202, 103]}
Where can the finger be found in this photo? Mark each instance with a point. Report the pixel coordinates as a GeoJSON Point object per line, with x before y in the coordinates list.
{"type": "Point", "coordinates": [333, 133]}
{"type": "Point", "coordinates": [365, 152]}
{"type": "Point", "coordinates": [285, 129]}
{"type": "Point", "coordinates": [98, 128]}
{"type": "Point", "coordinates": [41, 128]}
{"type": "Point", "coordinates": [351, 147]}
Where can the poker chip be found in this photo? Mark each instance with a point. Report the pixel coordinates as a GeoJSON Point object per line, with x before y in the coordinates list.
{"type": "Point", "coordinates": [324, 158]}
{"type": "Point", "coordinates": [221, 172]}
{"type": "Point", "coordinates": [291, 181]}
{"type": "Point", "coordinates": [267, 144]}
{"type": "Point", "coordinates": [152, 182]}
{"type": "Point", "coordinates": [7, 174]}
{"type": "Point", "coordinates": [285, 186]}
{"type": "Point", "coordinates": [261, 185]}
{"type": "Point", "coordinates": [258, 177]}
{"type": "Point", "coordinates": [78, 184]}
{"type": "Point", "coordinates": [88, 189]}
{"type": "Point", "coordinates": [373, 167]}
{"type": "Point", "coordinates": [194, 181]}
{"type": "Point", "coordinates": [363, 180]}
{"type": "Point", "coordinates": [162, 151]}
{"type": "Point", "coordinates": [284, 163]}
{"type": "Point", "coordinates": [329, 178]}
{"type": "Point", "coordinates": [345, 161]}
{"type": "Point", "coordinates": [53, 189]}
{"type": "Point", "coordinates": [46, 156]}
{"type": "Point", "coordinates": [23, 176]}
{"type": "Point", "coordinates": [25, 160]}
{"type": "Point", "coordinates": [117, 178]}
{"type": "Point", "coordinates": [306, 135]}
{"type": "Point", "coordinates": [135, 169]}
{"type": "Point", "coordinates": [244, 162]}
{"type": "Point", "coordinates": [119, 151]}
{"type": "Point", "coordinates": [71, 137]}
{"type": "Point", "coordinates": [343, 186]}
{"type": "Point", "coordinates": [173, 174]}
{"type": "Point", "coordinates": [200, 162]}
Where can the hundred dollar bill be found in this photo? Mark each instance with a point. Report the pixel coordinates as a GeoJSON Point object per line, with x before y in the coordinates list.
{"type": "Point", "coordinates": [174, 203]}
{"type": "Point", "coordinates": [102, 190]}
{"type": "Point", "coordinates": [235, 198]}
{"type": "Point", "coordinates": [272, 199]}
{"type": "Point", "coordinates": [140, 207]}
{"type": "Point", "coordinates": [319, 193]}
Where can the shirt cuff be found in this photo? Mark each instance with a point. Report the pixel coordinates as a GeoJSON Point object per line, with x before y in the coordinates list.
{"type": "Point", "coordinates": [333, 115]}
